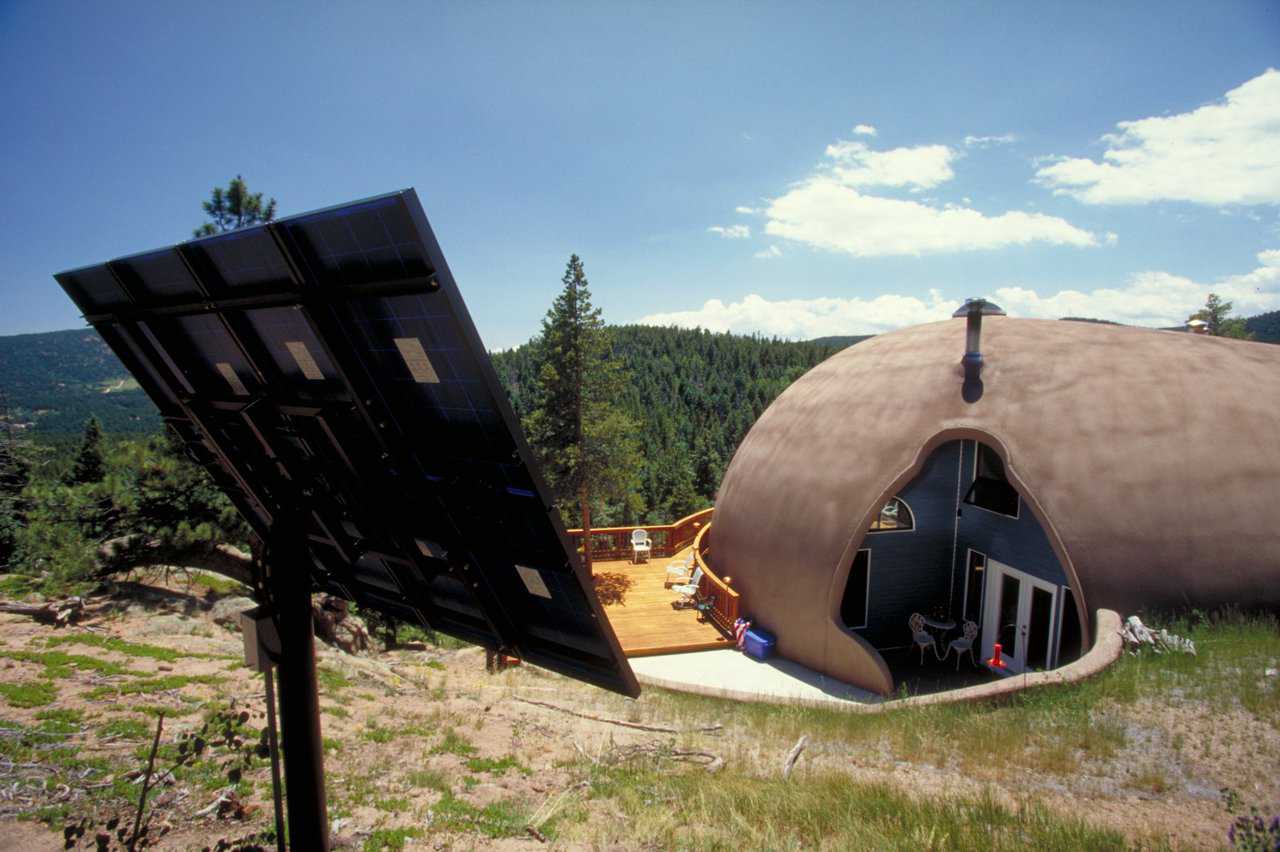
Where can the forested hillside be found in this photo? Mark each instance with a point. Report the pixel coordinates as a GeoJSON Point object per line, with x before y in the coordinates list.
{"type": "Point", "coordinates": [694, 395]}
{"type": "Point", "coordinates": [54, 381]}
{"type": "Point", "coordinates": [1264, 327]}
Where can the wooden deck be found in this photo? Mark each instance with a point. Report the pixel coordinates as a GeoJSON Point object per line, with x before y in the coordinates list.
{"type": "Point", "coordinates": [639, 608]}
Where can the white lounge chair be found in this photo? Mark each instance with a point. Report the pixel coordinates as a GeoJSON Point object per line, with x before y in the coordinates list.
{"type": "Point", "coordinates": [678, 570]}
{"type": "Point", "coordinates": [640, 545]}
{"type": "Point", "coordinates": [688, 592]}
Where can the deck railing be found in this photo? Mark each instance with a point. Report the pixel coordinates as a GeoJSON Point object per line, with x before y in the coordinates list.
{"type": "Point", "coordinates": [726, 606]}
{"type": "Point", "coordinates": [664, 539]}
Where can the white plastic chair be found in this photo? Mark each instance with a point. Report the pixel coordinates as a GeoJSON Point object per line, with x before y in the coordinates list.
{"type": "Point", "coordinates": [678, 570]}
{"type": "Point", "coordinates": [639, 545]}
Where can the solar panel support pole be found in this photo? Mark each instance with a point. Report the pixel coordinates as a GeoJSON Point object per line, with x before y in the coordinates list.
{"type": "Point", "coordinates": [299, 700]}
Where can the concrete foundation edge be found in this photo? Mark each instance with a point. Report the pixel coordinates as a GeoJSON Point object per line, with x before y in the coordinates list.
{"type": "Point", "coordinates": [1107, 648]}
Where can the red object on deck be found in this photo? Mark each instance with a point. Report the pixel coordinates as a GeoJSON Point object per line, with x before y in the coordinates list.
{"type": "Point", "coordinates": [996, 662]}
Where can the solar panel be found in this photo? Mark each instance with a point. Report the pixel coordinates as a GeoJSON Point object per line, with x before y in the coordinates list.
{"type": "Point", "coordinates": [325, 370]}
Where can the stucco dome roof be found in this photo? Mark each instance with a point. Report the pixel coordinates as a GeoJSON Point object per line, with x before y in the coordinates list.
{"type": "Point", "coordinates": [1150, 458]}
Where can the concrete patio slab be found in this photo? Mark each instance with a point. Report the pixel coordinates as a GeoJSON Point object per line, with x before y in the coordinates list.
{"type": "Point", "coordinates": [728, 673]}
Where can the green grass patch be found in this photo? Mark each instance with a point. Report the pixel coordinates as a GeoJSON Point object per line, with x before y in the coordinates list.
{"type": "Point", "coordinates": [129, 729]}
{"type": "Point", "coordinates": [114, 643]}
{"type": "Point", "coordinates": [389, 839]}
{"type": "Point", "coordinates": [330, 744]}
{"type": "Point", "coordinates": [454, 743]}
{"type": "Point", "coordinates": [148, 686]}
{"type": "Point", "coordinates": [503, 818]}
{"type": "Point", "coordinates": [696, 811]}
{"type": "Point", "coordinates": [496, 766]}
{"type": "Point", "coordinates": [392, 804]}
{"type": "Point", "coordinates": [331, 680]}
{"type": "Point", "coordinates": [32, 693]}
{"type": "Point", "coordinates": [435, 664]}
{"type": "Point", "coordinates": [18, 585]}
{"type": "Point", "coordinates": [375, 734]}
{"type": "Point", "coordinates": [59, 664]}
{"type": "Point", "coordinates": [337, 712]}
{"type": "Point", "coordinates": [428, 779]}
{"type": "Point", "coordinates": [61, 714]}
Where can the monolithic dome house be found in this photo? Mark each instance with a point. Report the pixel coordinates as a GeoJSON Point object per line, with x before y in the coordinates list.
{"type": "Point", "coordinates": [1073, 466]}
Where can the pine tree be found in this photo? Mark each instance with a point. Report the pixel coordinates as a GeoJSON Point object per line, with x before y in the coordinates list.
{"type": "Point", "coordinates": [235, 207]}
{"type": "Point", "coordinates": [585, 442]}
{"type": "Point", "coordinates": [89, 466]}
{"type": "Point", "coordinates": [15, 474]}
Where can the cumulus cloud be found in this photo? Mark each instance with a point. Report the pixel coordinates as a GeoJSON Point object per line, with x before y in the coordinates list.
{"type": "Point", "coordinates": [769, 253]}
{"type": "Point", "coordinates": [833, 210]}
{"type": "Point", "coordinates": [731, 232]}
{"type": "Point", "coordinates": [804, 319]}
{"type": "Point", "coordinates": [1153, 298]}
{"type": "Point", "coordinates": [742, 208]}
{"type": "Point", "coordinates": [825, 213]}
{"type": "Point", "coordinates": [1222, 153]}
{"type": "Point", "coordinates": [988, 141]}
{"type": "Point", "coordinates": [924, 166]}
{"type": "Point", "coordinates": [865, 130]}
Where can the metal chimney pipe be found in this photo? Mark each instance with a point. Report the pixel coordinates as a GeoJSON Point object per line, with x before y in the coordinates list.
{"type": "Point", "coordinates": [974, 310]}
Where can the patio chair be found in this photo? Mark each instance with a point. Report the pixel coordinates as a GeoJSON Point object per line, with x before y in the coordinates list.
{"type": "Point", "coordinates": [678, 571]}
{"type": "Point", "coordinates": [639, 545]}
{"type": "Point", "coordinates": [688, 592]}
{"type": "Point", "coordinates": [923, 638]}
{"type": "Point", "coordinates": [964, 644]}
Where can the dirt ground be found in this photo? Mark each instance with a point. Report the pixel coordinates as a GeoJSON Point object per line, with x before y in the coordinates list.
{"type": "Point", "coordinates": [425, 749]}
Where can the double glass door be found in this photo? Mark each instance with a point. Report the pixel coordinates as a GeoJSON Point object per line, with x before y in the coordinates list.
{"type": "Point", "coordinates": [1020, 614]}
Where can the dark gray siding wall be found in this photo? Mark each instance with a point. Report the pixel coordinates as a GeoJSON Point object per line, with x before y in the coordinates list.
{"type": "Point", "coordinates": [924, 570]}
{"type": "Point", "coordinates": [911, 571]}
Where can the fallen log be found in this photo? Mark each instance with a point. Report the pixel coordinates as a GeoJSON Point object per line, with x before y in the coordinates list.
{"type": "Point", "coordinates": [56, 613]}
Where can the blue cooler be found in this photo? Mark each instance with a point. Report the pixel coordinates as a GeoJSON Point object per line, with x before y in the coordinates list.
{"type": "Point", "coordinates": [759, 643]}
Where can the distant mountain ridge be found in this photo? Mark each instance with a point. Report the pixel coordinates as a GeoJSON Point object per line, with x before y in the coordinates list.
{"type": "Point", "coordinates": [53, 381]}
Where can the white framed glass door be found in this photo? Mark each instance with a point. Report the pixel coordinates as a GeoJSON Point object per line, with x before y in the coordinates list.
{"type": "Point", "coordinates": [1020, 614]}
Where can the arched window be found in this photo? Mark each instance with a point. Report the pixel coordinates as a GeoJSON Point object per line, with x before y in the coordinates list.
{"type": "Point", "coordinates": [894, 515]}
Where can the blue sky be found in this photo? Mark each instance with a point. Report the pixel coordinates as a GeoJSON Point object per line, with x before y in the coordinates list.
{"type": "Point", "coordinates": [793, 169]}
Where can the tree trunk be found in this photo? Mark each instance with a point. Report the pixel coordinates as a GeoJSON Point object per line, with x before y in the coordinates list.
{"type": "Point", "coordinates": [585, 503]}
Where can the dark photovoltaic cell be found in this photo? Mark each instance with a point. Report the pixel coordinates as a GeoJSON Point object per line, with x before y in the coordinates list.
{"type": "Point", "coordinates": [326, 372]}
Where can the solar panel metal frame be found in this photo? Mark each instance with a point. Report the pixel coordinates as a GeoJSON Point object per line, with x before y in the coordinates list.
{"type": "Point", "coordinates": [424, 511]}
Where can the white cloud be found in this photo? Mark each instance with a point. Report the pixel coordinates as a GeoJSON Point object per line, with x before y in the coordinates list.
{"type": "Point", "coordinates": [831, 209]}
{"type": "Point", "coordinates": [804, 319]}
{"type": "Point", "coordinates": [988, 141]}
{"type": "Point", "coordinates": [747, 211]}
{"type": "Point", "coordinates": [923, 166]}
{"type": "Point", "coordinates": [769, 253]}
{"type": "Point", "coordinates": [1153, 298]}
{"type": "Point", "coordinates": [824, 213]}
{"type": "Point", "coordinates": [864, 130]}
{"type": "Point", "coordinates": [1222, 153]}
{"type": "Point", "coordinates": [731, 232]}
{"type": "Point", "coordinates": [1149, 299]}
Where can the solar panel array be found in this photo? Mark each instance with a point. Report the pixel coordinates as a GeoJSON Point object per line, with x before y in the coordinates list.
{"type": "Point", "coordinates": [325, 370]}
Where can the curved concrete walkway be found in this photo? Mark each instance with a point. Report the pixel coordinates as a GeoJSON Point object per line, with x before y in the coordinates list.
{"type": "Point", "coordinates": [731, 674]}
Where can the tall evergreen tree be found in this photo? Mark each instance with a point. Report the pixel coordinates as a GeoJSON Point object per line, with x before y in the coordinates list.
{"type": "Point", "coordinates": [584, 440]}
{"type": "Point", "coordinates": [235, 207]}
{"type": "Point", "coordinates": [89, 466]}
{"type": "Point", "coordinates": [15, 474]}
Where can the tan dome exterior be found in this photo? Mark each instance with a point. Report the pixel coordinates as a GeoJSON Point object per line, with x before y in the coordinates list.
{"type": "Point", "coordinates": [1151, 459]}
